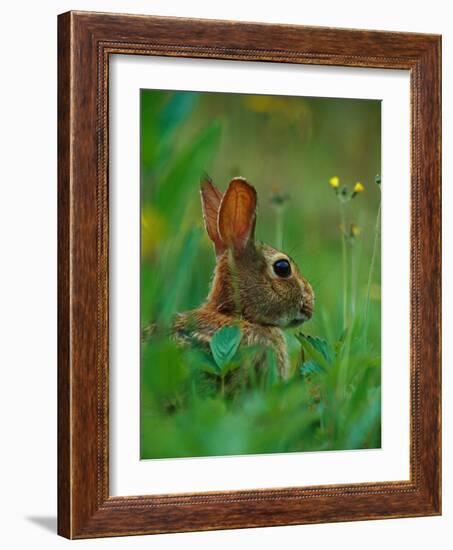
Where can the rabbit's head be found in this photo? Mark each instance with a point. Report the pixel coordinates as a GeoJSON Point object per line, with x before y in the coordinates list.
{"type": "Point", "coordinates": [251, 280]}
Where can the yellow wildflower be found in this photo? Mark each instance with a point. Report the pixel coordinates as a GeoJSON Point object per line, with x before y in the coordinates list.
{"type": "Point", "coordinates": [334, 181]}
{"type": "Point", "coordinates": [358, 187]}
{"type": "Point", "coordinates": [355, 230]}
{"type": "Point", "coordinates": [153, 230]}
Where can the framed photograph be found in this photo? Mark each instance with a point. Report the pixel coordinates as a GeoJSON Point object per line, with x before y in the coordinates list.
{"type": "Point", "coordinates": [249, 275]}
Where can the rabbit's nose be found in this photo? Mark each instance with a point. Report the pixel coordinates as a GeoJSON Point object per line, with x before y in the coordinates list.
{"type": "Point", "coordinates": [308, 304]}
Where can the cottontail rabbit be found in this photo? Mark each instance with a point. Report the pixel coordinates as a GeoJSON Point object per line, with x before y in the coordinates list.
{"type": "Point", "coordinates": [254, 285]}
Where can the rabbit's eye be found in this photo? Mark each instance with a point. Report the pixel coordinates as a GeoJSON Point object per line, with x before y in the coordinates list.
{"type": "Point", "coordinates": [282, 268]}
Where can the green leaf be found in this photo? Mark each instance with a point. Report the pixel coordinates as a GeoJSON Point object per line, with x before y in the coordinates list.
{"type": "Point", "coordinates": [311, 367]}
{"type": "Point", "coordinates": [224, 345]}
{"type": "Point", "coordinates": [317, 344]}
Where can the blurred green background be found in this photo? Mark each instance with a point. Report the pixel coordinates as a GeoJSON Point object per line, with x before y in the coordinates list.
{"type": "Point", "coordinates": [305, 157]}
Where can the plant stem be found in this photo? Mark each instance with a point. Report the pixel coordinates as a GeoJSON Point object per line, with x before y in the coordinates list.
{"type": "Point", "coordinates": [353, 278]}
{"type": "Point", "coordinates": [356, 250]}
{"type": "Point", "coordinates": [342, 381]}
{"type": "Point", "coordinates": [345, 265]}
{"type": "Point", "coordinates": [371, 270]}
{"type": "Point", "coordinates": [222, 385]}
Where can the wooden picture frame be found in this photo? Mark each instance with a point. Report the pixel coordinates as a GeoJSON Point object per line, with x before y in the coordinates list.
{"type": "Point", "coordinates": [85, 42]}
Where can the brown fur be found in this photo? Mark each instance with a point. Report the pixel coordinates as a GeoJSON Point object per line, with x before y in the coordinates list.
{"type": "Point", "coordinates": [244, 287]}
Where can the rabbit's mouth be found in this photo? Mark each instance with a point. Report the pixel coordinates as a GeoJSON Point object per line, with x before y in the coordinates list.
{"type": "Point", "coordinates": [296, 322]}
{"type": "Point", "coordinates": [293, 320]}
{"type": "Point", "coordinates": [303, 315]}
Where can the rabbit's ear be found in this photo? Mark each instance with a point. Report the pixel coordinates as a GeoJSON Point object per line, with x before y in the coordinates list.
{"type": "Point", "coordinates": [237, 215]}
{"type": "Point", "coordinates": [210, 203]}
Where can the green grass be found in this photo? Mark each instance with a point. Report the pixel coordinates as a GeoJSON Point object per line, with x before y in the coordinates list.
{"type": "Point", "coordinates": [197, 403]}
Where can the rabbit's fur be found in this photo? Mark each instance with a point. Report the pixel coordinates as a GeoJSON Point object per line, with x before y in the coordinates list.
{"type": "Point", "coordinates": [245, 288]}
